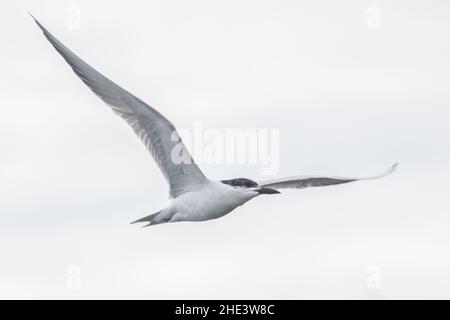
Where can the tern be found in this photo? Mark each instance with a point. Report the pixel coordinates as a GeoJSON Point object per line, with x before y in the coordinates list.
{"type": "Point", "coordinates": [193, 196]}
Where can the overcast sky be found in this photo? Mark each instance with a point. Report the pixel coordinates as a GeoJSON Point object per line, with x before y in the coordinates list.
{"type": "Point", "coordinates": [351, 87]}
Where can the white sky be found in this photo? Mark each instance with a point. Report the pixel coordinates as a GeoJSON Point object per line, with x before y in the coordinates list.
{"type": "Point", "coordinates": [347, 99]}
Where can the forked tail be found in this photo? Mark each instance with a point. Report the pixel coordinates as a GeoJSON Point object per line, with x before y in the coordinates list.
{"type": "Point", "coordinates": [151, 219]}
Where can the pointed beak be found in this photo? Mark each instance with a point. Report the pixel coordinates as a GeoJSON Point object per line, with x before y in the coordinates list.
{"type": "Point", "coordinates": [264, 190]}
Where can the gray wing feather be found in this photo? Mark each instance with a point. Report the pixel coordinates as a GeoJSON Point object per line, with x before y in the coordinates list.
{"type": "Point", "coordinates": [315, 181]}
{"type": "Point", "coordinates": [155, 131]}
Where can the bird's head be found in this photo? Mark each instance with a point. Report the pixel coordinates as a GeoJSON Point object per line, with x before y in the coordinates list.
{"type": "Point", "coordinates": [247, 185]}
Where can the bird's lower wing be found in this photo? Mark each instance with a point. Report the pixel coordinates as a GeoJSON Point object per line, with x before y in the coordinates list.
{"type": "Point", "coordinates": [315, 181]}
{"type": "Point", "coordinates": [156, 132]}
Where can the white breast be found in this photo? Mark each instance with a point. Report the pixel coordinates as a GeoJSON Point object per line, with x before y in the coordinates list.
{"type": "Point", "coordinates": [212, 201]}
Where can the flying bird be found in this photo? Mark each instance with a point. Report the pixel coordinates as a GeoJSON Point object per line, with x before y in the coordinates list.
{"type": "Point", "coordinates": [193, 196]}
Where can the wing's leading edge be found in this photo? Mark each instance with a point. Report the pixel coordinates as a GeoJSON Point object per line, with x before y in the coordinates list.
{"type": "Point", "coordinates": [155, 131]}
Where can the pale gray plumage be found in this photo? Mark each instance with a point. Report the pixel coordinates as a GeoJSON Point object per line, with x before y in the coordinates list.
{"type": "Point", "coordinates": [301, 182]}
{"type": "Point", "coordinates": [194, 197]}
{"type": "Point", "coordinates": [156, 132]}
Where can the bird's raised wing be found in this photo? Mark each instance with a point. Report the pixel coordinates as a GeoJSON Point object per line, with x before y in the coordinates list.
{"type": "Point", "coordinates": [155, 131]}
{"type": "Point", "coordinates": [300, 182]}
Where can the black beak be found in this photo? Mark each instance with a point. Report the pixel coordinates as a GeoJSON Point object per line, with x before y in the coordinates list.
{"type": "Point", "coordinates": [263, 190]}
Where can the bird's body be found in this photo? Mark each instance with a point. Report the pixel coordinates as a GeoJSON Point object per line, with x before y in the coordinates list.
{"type": "Point", "coordinates": [211, 201]}
{"type": "Point", "coordinates": [193, 196]}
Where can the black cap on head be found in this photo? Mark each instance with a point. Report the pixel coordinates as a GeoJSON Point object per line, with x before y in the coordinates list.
{"type": "Point", "coordinates": [241, 182]}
